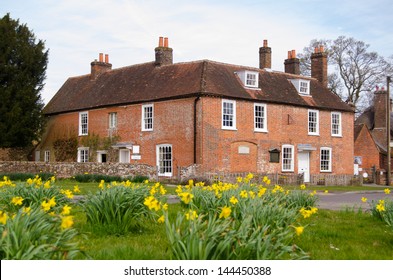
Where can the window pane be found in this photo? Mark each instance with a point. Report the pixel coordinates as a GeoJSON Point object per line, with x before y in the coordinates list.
{"type": "Point", "coordinates": [259, 117]}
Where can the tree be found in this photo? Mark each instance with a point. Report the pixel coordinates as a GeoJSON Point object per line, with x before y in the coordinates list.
{"type": "Point", "coordinates": [23, 63]}
{"type": "Point", "coordinates": [358, 70]}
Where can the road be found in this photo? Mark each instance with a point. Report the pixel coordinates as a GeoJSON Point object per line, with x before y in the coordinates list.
{"type": "Point", "coordinates": [350, 200]}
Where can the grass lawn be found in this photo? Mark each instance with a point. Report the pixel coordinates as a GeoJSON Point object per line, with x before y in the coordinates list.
{"type": "Point", "coordinates": [330, 235]}
{"type": "Point", "coordinates": [347, 235]}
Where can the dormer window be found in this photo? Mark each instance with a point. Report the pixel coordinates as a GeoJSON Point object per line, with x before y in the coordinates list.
{"type": "Point", "coordinates": [248, 78]}
{"type": "Point", "coordinates": [302, 86]}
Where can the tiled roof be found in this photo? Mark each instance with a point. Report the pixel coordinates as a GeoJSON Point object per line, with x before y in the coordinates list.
{"type": "Point", "coordinates": [148, 82]}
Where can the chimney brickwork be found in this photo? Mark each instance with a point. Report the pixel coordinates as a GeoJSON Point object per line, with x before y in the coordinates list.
{"type": "Point", "coordinates": [164, 54]}
{"type": "Point", "coordinates": [265, 56]}
{"type": "Point", "coordinates": [319, 65]}
{"type": "Point", "coordinates": [100, 66]}
{"type": "Point", "coordinates": [292, 63]}
{"type": "Point", "coordinates": [380, 109]}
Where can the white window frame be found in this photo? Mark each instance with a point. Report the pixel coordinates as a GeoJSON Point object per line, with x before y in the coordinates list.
{"type": "Point", "coordinates": [83, 154]}
{"type": "Point", "coordinates": [147, 126]}
{"type": "Point", "coordinates": [250, 79]}
{"type": "Point", "coordinates": [83, 123]}
{"type": "Point", "coordinates": [285, 167]}
{"type": "Point", "coordinates": [302, 86]}
{"type": "Point", "coordinates": [227, 117]}
{"type": "Point", "coordinates": [309, 122]}
{"type": "Point", "coordinates": [322, 161]}
{"type": "Point", "coordinates": [258, 119]}
{"type": "Point", "coordinates": [46, 156]}
{"type": "Point", "coordinates": [164, 163]}
{"type": "Point", "coordinates": [336, 128]}
{"type": "Point", "coordinates": [112, 120]}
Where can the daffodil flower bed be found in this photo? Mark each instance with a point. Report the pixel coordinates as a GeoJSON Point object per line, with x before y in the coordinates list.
{"type": "Point", "coordinates": [36, 221]}
{"type": "Point", "coordinates": [239, 221]}
{"type": "Point", "coordinates": [122, 207]}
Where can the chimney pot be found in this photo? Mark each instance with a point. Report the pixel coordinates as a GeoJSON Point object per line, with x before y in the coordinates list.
{"type": "Point", "coordinates": [106, 58]}
{"type": "Point", "coordinates": [100, 59]}
{"type": "Point", "coordinates": [166, 42]}
{"type": "Point", "coordinates": [265, 43]}
{"type": "Point", "coordinates": [316, 50]}
{"type": "Point", "coordinates": [161, 42]}
{"type": "Point", "coordinates": [321, 48]}
{"type": "Point", "coordinates": [289, 54]}
{"type": "Point", "coordinates": [293, 54]}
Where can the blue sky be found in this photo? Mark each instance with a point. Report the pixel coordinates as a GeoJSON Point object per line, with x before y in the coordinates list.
{"type": "Point", "coordinates": [75, 31]}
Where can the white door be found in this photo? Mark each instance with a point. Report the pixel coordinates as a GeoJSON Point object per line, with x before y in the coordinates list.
{"type": "Point", "coordinates": [304, 165]}
{"type": "Point", "coordinates": [124, 156]}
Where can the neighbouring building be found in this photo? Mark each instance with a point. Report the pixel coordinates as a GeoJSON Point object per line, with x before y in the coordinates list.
{"type": "Point", "coordinates": [217, 116]}
{"type": "Point", "coordinates": [370, 135]}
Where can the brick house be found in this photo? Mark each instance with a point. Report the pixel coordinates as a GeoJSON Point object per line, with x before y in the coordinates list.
{"type": "Point", "coordinates": [218, 116]}
{"type": "Point", "coordinates": [370, 136]}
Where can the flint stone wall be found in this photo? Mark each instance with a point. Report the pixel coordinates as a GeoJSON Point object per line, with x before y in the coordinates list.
{"type": "Point", "coordinates": [70, 169]}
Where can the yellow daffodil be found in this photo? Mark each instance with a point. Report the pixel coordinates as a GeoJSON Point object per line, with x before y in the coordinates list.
{"type": "Point", "coordinates": [261, 191]}
{"type": "Point", "coordinates": [186, 197]}
{"type": "Point", "coordinates": [299, 230]}
{"type": "Point", "coordinates": [146, 182]}
{"type": "Point", "coordinates": [152, 203]}
{"type": "Point", "coordinates": [17, 200]}
{"type": "Point", "coordinates": [364, 199]}
{"type": "Point", "coordinates": [252, 194]}
{"type": "Point", "coordinates": [387, 191]}
{"type": "Point", "coordinates": [165, 206]}
{"type": "Point", "coordinates": [243, 194]}
{"type": "Point", "coordinates": [225, 212]}
{"type": "Point", "coordinates": [239, 179]}
{"type": "Point", "coordinates": [52, 202]}
{"type": "Point", "coordinates": [191, 215]}
{"type": "Point", "coordinates": [67, 222]}
{"type": "Point", "coordinates": [45, 206]}
{"type": "Point", "coordinates": [66, 210]}
{"type": "Point", "coordinates": [380, 207]}
{"type": "Point", "coordinates": [47, 185]}
{"type": "Point", "coordinates": [76, 189]}
{"type": "Point", "coordinates": [26, 210]}
{"type": "Point", "coordinates": [233, 200]}
{"type": "Point", "coordinates": [3, 217]}
{"type": "Point", "coordinates": [161, 219]}
{"type": "Point", "coordinates": [303, 187]}
{"type": "Point", "coordinates": [102, 184]}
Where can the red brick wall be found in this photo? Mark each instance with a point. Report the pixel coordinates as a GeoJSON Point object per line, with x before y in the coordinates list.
{"type": "Point", "coordinates": [365, 147]}
{"type": "Point", "coordinates": [286, 125]}
{"type": "Point", "coordinates": [216, 149]}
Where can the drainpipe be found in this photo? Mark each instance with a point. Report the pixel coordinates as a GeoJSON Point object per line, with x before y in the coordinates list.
{"type": "Point", "coordinates": [195, 128]}
{"type": "Point", "coordinates": [388, 130]}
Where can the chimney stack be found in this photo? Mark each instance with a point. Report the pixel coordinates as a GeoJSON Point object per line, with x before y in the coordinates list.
{"type": "Point", "coordinates": [99, 67]}
{"type": "Point", "coordinates": [319, 65]}
{"type": "Point", "coordinates": [380, 108]}
{"type": "Point", "coordinates": [265, 56]}
{"type": "Point", "coordinates": [292, 64]}
{"type": "Point", "coordinates": [164, 54]}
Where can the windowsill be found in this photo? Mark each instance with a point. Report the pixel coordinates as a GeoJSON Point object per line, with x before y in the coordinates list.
{"type": "Point", "coordinates": [337, 136]}
{"type": "Point", "coordinates": [261, 131]}
{"type": "Point", "coordinates": [229, 128]}
{"type": "Point", "coordinates": [288, 171]}
{"type": "Point", "coordinates": [325, 171]}
{"type": "Point", "coordinates": [313, 134]}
